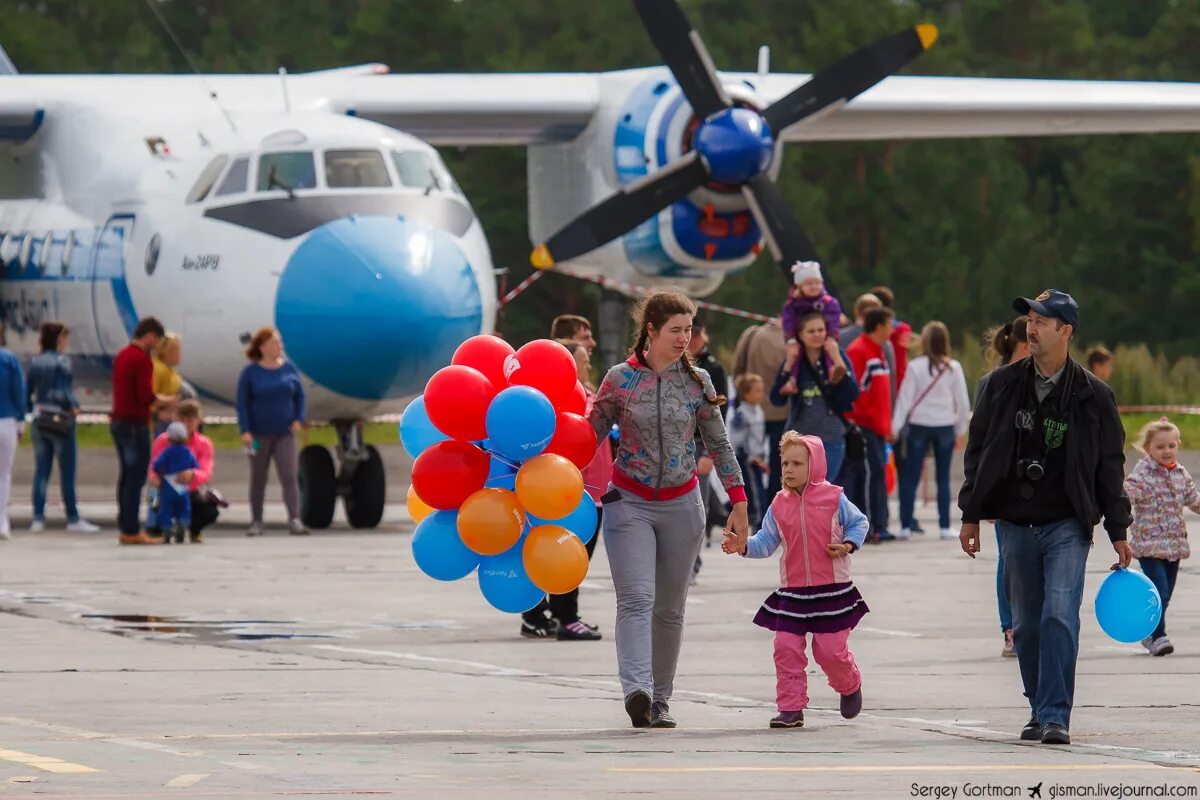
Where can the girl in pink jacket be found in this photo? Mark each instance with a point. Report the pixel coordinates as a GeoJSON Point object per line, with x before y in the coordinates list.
{"type": "Point", "coordinates": [819, 529]}
{"type": "Point", "coordinates": [1160, 489]}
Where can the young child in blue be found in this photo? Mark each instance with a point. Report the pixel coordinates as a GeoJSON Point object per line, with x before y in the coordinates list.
{"type": "Point", "coordinates": [174, 498]}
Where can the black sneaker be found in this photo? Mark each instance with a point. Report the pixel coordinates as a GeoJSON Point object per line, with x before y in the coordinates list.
{"type": "Point", "coordinates": [538, 630]}
{"type": "Point", "coordinates": [637, 706]}
{"type": "Point", "coordinates": [1053, 733]}
{"type": "Point", "coordinates": [851, 704]}
{"type": "Point", "coordinates": [660, 715]}
{"type": "Point", "coordinates": [788, 719]}
{"type": "Point", "coordinates": [577, 632]}
{"type": "Point", "coordinates": [916, 528]}
{"type": "Point", "coordinates": [1032, 732]}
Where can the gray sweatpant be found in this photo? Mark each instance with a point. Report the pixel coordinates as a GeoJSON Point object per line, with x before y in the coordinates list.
{"type": "Point", "coordinates": [651, 549]}
{"type": "Point", "coordinates": [287, 465]}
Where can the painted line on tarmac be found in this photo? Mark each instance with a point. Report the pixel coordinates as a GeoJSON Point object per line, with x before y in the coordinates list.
{"type": "Point", "coordinates": [887, 632]}
{"type": "Point", "coordinates": [184, 781]}
{"type": "Point", "coordinates": [45, 763]}
{"type": "Point", "coordinates": [126, 741]}
{"type": "Point", "coordinates": [911, 768]}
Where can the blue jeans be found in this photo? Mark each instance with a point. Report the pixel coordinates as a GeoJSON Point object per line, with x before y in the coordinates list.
{"type": "Point", "coordinates": [1043, 573]}
{"type": "Point", "coordinates": [1162, 574]}
{"type": "Point", "coordinates": [866, 483]}
{"type": "Point", "coordinates": [756, 503]}
{"type": "Point", "coordinates": [45, 450]}
{"type": "Point", "coordinates": [835, 454]}
{"type": "Point", "coordinates": [133, 453]}
{"type": "Point", "coordinates": [920, 439]}
{"type": "Point", "coordinates": [1001, 593]}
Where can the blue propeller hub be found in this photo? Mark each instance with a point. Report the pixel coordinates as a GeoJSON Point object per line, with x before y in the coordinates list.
{"type": "Point", "coordinates": [736, 143]}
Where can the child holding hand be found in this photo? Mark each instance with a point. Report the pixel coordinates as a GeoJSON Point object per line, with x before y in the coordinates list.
{"type": "Point", "coordinates": [818, 529]}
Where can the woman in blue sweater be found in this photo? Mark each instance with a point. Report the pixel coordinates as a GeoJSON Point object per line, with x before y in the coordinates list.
{"type": "Point", "coordinates": [271, 411]}
{"type": "Point", "coordinates": [827, 388]}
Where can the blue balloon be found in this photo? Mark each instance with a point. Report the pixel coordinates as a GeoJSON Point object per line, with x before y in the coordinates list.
{"type": "Point", "coordinates": [520, 423]}
{"type": "Point", "coordinates": [1128, 607]}
{"type": "Point", "coordinates": [417, 433]}
{"type": "Point", "coordinates": [504, 584]}
{"type": "Point", "coordinates": [438, 549]}
{"type": "Point", "coordinates": [581, 521]}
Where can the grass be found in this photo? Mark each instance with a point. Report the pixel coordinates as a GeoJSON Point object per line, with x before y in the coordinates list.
{"type": "Point", "coordinates": [1189, 427]}
{"type": "Point", "coordinates": [226, 437]}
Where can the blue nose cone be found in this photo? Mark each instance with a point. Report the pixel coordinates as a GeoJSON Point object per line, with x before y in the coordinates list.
{"type": "Point", "coordinates": [737, 144]}
{"type": "Point", "coordinates": [370, 307]}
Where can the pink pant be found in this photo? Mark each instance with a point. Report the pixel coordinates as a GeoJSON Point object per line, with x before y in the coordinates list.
{"type": "Point", "coordinates": [831, 653]}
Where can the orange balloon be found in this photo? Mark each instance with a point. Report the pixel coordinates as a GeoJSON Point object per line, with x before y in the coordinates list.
{"type": "Point", "coordinates": [549, 486]}
{"type": "Point", "coordinates": [555, 559]}
{"type": "Point", "coordinates": [491, 521]}
{"type": "Point", "coordinates": [418, 509]}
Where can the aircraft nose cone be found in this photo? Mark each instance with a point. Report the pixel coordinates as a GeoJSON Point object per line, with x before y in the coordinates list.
{"type": "Point", "coordinates": [370, 307]}
{"type": "Point", "coordinates": [737, 144]}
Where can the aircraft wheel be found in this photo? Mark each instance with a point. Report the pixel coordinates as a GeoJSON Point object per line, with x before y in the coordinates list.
{"type": "Point", "coordinates": [368, 492]}
{"type": "Point", "coordinates": [318, 487]}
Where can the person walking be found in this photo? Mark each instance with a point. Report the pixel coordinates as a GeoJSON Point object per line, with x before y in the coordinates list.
{"type": "Point", "coordinates": [865, 480]}
{"type": "Point", "coordinates": [12, 423]}
{"type": "Point", "coordinates": [133, 404]}
{"type": "Point", "coordinates": [761, 350]}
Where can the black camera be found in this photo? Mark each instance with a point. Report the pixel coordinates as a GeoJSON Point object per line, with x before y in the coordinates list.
{"type": "Point", "coordinates": [1030, 469]}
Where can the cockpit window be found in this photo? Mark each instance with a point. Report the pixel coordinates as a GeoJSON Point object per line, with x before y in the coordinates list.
{"type": "Point", "coordinates": [207, 178]}
{"type": "Point", "coordinates": [418, 169]}
{"type": "Point", "coordinates": [284, 171]}
{"type": "Point", "coordinates": [355, 168]}
{"type": "Point", "coordinates": [235, 179]}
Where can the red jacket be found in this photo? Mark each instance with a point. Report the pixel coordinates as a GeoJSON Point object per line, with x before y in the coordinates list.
{"type": "Point", "coordinates": [873, 408]}
{"type": "Point", "coordinates": [133, 385]}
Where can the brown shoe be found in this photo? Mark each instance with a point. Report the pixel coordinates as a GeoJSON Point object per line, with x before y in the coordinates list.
{"type": "Point", "coordinates": [141, 537]}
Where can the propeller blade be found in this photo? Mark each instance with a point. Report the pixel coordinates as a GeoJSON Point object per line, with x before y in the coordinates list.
{"type": "Point", "coordinates": [785, 237]}
{"type": "Point", "coordinates": [849, 77]}
{"type": "Point", "coordinates": [622, 211]}
{"type": "Point", "coordinates": [684, 52]}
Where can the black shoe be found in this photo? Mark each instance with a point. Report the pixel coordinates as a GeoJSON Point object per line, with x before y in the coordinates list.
{"type": "Point", "coordinates": [788, 719]}
{"type": "Point", "coordinates": [577, 632]}
{"type": "Point", "coordinates": [660, 715]}
{"type": "Point", "coordinates": [916, 528]}
{"type": "Point", "coordinates": [637, 706]}
{"type": "Point", "coordinates": [1032, 732]}
{"type": "Point", "coordinates": [538, 630]}
{"type": "Point", "coordinates": [852, 704]}
{"type": "Point", "coordinates": [1053, 733]}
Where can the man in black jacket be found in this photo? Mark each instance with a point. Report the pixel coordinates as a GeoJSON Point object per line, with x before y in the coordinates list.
{"type": "Point", "coordinates": [1046, 459]}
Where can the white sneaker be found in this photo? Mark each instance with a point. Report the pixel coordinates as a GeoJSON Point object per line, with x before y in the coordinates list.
{"type": "Point", "coordinates": [5, 534]}
{"type": "Point", "coordinates": [255, 529]}
{"type": "Point", "coordinates": [904, 533]}
{"type": "Point", "coordinates": [296, 528]}
{"type": "Point", "coordinates": [1162, 647]}
{"type": "Point", "coordinates": [37, 526]}
{"type": "Point", "coordinates": [948, 533]}
{"type": "Point", "coordinates": [81, 525]}
{"type": "Point", "coordinates": [1148, 643]}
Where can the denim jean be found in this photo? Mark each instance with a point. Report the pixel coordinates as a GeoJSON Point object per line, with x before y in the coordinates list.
{"type": "Point", "coordinates": [866, 482]}
{"type": "Point", "coordinates": [835, 454]}
{"type": "Point", "coordinates": [1001, 593]}
{"type": "Point", "coordinates": [1162, 574]}
{"type": "Point", "coordinates": [133, 454]}
{"type": "Point", "coordinates": [1043, 573]}
{"type": "Point", "coordinates": [920, 439]}
{"type": "Point", "coordinates": [756, 501]}
{"type": "Point", "coordinates": [45, 449]}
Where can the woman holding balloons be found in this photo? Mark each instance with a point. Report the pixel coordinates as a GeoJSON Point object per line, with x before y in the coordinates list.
{"type": "Point", "coordinates": [654, 518]}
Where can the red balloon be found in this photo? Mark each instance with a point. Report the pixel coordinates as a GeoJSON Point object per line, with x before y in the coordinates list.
{"type": "Point", "coordinates": [574, 439]}
{"type": "Point", "coordinates": [547, 366]}
{"type": "Point", "coordinates": [448, 473]}
{"type": "Point", "coordinates": [487, 354]}
{"type": "Point", "coordinates": [457, 400]}
{"type": "Point", "coordinates": [576, 403]}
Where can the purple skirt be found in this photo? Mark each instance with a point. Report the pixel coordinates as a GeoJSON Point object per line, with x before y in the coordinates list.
{"type": "Point", "coordinates": [828, 608]}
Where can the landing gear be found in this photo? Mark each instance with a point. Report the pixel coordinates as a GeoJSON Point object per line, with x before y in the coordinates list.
{"type": "Point", "coordinates": [358, 478]}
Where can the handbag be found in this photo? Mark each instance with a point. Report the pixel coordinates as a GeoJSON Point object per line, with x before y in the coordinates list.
{"type": "Point", "coordinates": [856, 442]}
{"type": "Point", "coordinates": [53, 423]}
{"type": "Point", "coordinates": [901, 446]}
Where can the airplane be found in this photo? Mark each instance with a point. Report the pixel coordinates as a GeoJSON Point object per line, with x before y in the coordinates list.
{"type": "Point", "coordinates": [318, 203]}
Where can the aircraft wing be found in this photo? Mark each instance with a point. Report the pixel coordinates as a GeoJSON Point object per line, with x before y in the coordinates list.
{"type": "Point", "coordinates": [903, 107]}
{"type": "Point", "coordinates": [502, 109]}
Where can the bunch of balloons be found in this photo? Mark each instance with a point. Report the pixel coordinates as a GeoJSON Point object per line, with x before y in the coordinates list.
{"type": "Point", "coordinates": [499, 438]}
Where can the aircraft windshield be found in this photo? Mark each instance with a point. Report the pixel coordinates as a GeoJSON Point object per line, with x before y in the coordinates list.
{"type": "Point", "coordinates": [417, 169]}
{"type": "Point", "coordinates": [284, 171]}
{"type": "Point", "coordinates": [355, 169]}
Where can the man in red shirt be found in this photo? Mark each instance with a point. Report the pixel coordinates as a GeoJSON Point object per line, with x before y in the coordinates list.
{"type": "Point", "coordinates": [866, 484]}
{"type": "Point", "coordinates": [133, 401]}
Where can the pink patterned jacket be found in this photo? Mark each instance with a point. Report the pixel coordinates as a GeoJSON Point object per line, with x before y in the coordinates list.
{"type": "Point", "coordinates": [1159, 497]}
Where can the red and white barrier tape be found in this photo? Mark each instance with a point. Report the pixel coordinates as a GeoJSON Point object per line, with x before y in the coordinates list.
{"type": "Point", "coordinates": [522, 286]}
{"type": "Point", "coordinates": [1186, 410]}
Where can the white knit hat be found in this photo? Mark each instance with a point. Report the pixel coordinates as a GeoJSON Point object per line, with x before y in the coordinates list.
{"type": "Point", "coordinates": [803, 270]}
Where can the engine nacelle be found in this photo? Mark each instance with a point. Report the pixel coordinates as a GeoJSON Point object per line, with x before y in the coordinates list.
{"type": "Point", "coordinates": [643, 124]}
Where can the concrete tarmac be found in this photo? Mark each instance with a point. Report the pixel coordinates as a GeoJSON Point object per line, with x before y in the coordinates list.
{"type": "Point", "coordinates": [330, 666]}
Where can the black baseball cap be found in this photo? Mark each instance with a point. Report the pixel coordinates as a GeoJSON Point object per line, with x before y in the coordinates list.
{"type": "Point", "coordinates": [1050, 303]}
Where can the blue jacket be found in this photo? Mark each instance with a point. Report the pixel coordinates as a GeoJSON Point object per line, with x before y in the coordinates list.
{"type": "Point", "coordinates": [270, 400]}
{"type": "Point", "coordinates": [176, 458]}
{"type": "Point", "coordinates": [50, 382]}
{"type": "Point", "coordinates": [12, 387]}
{"type": "Point", "coordinates": [841, 396]}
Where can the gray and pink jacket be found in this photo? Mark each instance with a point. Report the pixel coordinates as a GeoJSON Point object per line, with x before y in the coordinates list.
{"type": "Point", "coordinates": [1159, 496]}
{"type": "Point", "coordinates": [659, 415]}
{"type": "Point", "coordinates": [805, 524]}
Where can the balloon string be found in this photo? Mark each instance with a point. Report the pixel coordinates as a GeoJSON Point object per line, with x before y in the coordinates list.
{"type": "Point", "coordinates": [508, 463]}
